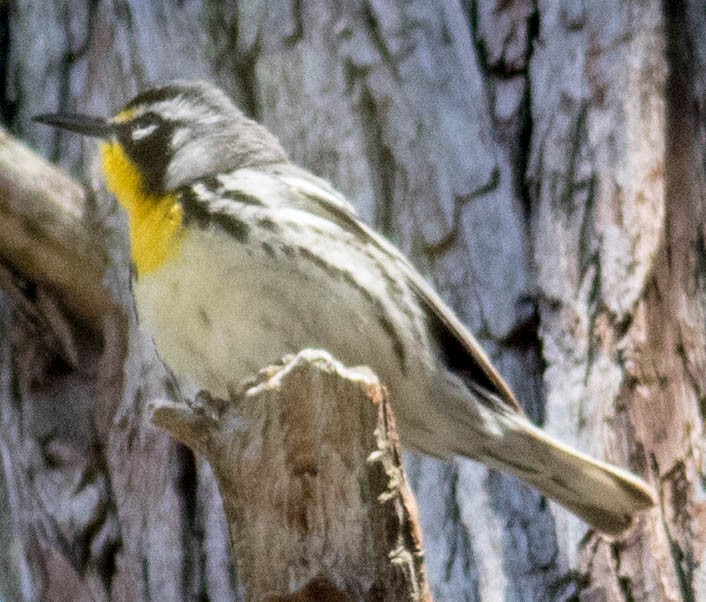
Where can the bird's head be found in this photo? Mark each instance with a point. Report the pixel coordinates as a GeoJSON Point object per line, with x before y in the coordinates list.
{"type": "Point", "coordinates": [161, 141]}
{"type": "Point", "coordinates": [167, 137]}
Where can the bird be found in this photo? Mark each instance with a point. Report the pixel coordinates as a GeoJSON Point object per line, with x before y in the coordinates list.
{"type": "Point", "coordinates": [241, 257]}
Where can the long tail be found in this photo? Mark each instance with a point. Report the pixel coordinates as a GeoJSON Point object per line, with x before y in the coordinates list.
{"type": "Point", "coordinates": [605, 496]}
{"type": "Point", "coordinates": [478, 425]}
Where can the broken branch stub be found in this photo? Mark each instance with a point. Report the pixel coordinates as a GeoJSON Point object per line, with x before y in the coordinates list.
{"type": "Point", "coordinates": [43, 234]}
{"type": "Point", "coordinates": [308, 464]}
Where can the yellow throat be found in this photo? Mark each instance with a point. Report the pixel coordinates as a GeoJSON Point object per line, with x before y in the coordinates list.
{"type": "Point", "coordinates": [156, 221]}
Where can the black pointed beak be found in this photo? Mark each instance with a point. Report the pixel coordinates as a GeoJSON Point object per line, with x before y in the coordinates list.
{"type": "Point", "coordinates": [81, 124]}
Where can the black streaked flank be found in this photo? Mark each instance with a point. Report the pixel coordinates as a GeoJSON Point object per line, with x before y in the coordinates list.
{"type": "Point", "coordinates": [267, 247]}
{"type": "Point", "coordinates": [240, 197]}
{"type": "Point", "coordinates": [195, 209]}
{"type": "Point", "coordinates": [205, 319]}
{"type": "Point", "coordinates": [198, 211]}
{"type": "Point", "coordinates": [319, 261]}
{"type": "Point", "coordinates": [268, 224]}
{"type": "Point", "coordinates": [236, 228]}
{"type": "Point", "coordinates": [383, 319]}
{"type": "Point", "coordinates": [394, 286]}
{"type": "Point", "coordinates": [211, 182]}
{"type": "Point", "coordinates": [216, 187]}
{"type": "Point", "coordinates": [389, 329]}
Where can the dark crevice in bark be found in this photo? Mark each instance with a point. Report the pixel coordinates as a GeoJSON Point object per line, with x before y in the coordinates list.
{"type": "Point", "coordinates": [626, 588]}
{"type": "Point", "coordinates": [105, 559]}
{"type": "Point", "coordinates": [381, 162]}
{"type": "Point", "coordinates": [443, 246]}
{"type": "Point", "coordinates": [486, 69]}
{"type": "Point", "coordinates": [298, 18]}
{"type": "Point", "coordinates": [683, 119]}
{"type": "Point", "coordinates": [566, 196]}
{"type": "Point", "coordinates": [683, 566]}
{"type": "Point", "coordinates": [700, 267]}
{"type": "Point", "coordinates": [595, 306]}
{"type": "Point", "coordinates": [624, 581]}
{"type": "Point", "coordinates": [524, 339]}
{"type": "Point", "coordinates": [187, 483]}
{"type": "Point", "coordinates": [527, 123]}
{"type": "Point", "coordinates": [192, 535]}
{"type": "Point", "coordinates": [75, 50]}
{"type": "Point", "coordinates": [588, 256]}
{"type": "Point", "coordinates": [472, 15]}
{"type": "Point", "coordinates": [682, 559]}
{"type": "Point", "coordinates": [244, 69]}
{"type": "Point", "coordinates": [446, 244]}
{"type": "Point", "coordinates": [567, 587]}
{"type": "Point", "coordinates": [8, 108]}
{"type": "Point", "coordinates": [526, 334]}
{"type": "Point", "coordinates": [145, 565]}
{"type": "Point", "coordinates": [81, 546]}
{"type": "Point", "coordinates": [439, 248]}
{"type": "Point", "coordinates": [691, 377]}
{"type": "Point", "coordinates": [589, 546]}
{"type": "Point", "coordinates": [233, 59]}
{"type": "Point", "coordinates": [242, 64]}
{"type": "Point", "coordinates": [459, 546]}
{"type": "Point", "coordinates": [377, 37]}
{"type": "Point", "coordinates": [106, 562]}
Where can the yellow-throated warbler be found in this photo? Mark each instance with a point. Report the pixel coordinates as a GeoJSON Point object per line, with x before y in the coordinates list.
{"type": "Point", "coordinates": [242, 257]}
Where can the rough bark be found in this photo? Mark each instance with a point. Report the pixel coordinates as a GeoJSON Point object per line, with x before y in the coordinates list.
{"type": "Point", "coordinates": [615, 303]}
{"type": "Point", "coordinates": [541, 162]}
{"type": "Point", "coordinates": [308, 463]}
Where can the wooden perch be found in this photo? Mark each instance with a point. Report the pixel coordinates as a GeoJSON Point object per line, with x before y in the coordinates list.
{"type": "Point", "coordinates": [43, 234]}
{"type": "Point", "coordinates": [308, 464]}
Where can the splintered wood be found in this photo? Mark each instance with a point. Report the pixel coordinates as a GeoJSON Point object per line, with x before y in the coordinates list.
{"type": "Point", "coordinates": [308, 464]}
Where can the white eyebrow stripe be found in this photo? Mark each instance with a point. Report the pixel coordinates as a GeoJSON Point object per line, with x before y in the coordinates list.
{"type": "Point", "coordinates": [182, 109]}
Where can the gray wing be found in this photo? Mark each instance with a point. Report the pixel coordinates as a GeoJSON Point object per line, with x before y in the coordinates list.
{"type": "Point", "coordinates": [298, 188]}
{"type": "Point", "coordinates": [463, 354]}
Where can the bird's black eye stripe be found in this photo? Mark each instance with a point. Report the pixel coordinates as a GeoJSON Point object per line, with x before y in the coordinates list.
{"type": "Point", "coordinates": [146, 140]}
{"type": "Point", "coordinates": [144, 126]}
{"type": "Point", "coordinates": [131, 133]}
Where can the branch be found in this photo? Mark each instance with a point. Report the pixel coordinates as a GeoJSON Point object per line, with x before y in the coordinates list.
{"type": "Point", "coordinates": [308, 464]}
{"type": "Point", "coordinates": [43, 234]}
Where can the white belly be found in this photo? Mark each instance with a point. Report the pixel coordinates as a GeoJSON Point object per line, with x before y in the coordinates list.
{"type": "Point", "coordinates": [222, 310]}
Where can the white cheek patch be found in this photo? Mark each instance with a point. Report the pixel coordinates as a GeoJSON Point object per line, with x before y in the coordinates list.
{"type": "Point", "coordinates": [179, 137]}
{"type": "Point", "coordinates": [140, 133]}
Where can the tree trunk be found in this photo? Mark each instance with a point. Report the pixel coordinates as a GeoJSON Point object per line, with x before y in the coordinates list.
{"type": "Point", "coordinates": [541, 162]}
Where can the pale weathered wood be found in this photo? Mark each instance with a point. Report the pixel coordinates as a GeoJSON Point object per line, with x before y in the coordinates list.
{"type": "Point", "coordinates": [308, 464]}
{"type": "Point", "coordinates": [43, 234]}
